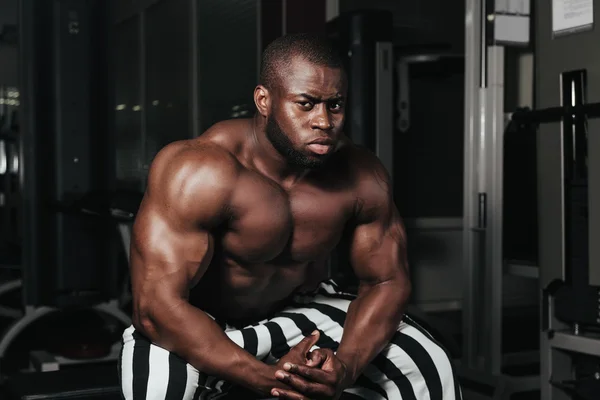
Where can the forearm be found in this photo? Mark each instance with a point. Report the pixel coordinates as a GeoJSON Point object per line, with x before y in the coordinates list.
{"type": "Point", "coordinates": [189, 332]}
{"type": "Point", "coordinates": [372, 319]}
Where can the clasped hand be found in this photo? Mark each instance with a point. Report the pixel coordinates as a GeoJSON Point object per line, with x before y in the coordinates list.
{"type": "Point", "coordinates": [317, 374]}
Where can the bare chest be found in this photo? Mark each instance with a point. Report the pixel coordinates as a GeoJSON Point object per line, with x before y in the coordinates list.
{"type": "Point", "coordinates": [288, 227]}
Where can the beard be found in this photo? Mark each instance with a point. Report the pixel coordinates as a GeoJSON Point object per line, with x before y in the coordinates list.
{"type": "Point", "coordinates": [284, 146]}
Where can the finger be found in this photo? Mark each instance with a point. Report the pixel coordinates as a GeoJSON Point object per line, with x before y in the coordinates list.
{"type": "Point", "coordinates": [312, 374]}
{"type": "Point", "coordinates": [300, 384]}
{"type": "Point", "coordinates": [287, 394]}
{"type": "Point", "coordinates": [315, 358]}
{"type": "Point", "coordinates": [308, 342]}
{"type": "Point", "coordinates": [329, 361]}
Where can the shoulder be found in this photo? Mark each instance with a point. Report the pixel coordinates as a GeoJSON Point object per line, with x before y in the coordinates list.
{"type": "Point", "coordinates": [231, 134]}
{"type": "Point", "coordinates": [371, 182]}
{"type": "Point", "coordinates": [192, 175]}
{"type": "Point", "coordinates": [365, 170]}
{"type": "Point", "coordinates": [191, 160]}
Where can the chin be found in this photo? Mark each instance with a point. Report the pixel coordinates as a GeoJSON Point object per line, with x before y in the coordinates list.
{"type": "Point", "coordinates": [311, 161]}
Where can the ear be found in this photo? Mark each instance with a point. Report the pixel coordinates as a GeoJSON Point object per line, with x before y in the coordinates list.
{"type": "Point", "coordinates": [262, 99]}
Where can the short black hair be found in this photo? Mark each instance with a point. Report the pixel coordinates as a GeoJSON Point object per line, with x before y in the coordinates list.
{"type": "Point", "coordinates": [313, 47]}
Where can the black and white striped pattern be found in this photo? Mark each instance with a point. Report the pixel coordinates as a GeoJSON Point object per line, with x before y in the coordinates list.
{"type": "Point", "coordinates": [412, 367]}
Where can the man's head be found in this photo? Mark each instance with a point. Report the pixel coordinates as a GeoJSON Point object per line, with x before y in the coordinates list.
{"type": "Point", "coordinates": [301, 94]}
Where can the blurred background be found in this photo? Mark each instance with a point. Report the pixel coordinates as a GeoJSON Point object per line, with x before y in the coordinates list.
{"type": "Point", "coordinates": [91, 90]}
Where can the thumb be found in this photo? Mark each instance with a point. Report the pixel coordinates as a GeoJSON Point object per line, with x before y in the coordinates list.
{"type": "Point", "coordinates": [308, 342]}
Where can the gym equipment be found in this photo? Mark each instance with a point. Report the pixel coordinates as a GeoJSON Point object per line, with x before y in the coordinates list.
{"type": "Point", "coordinates": [9, 170]}
{"type": "Point", "coordinates": [116, 208]}
{"type": "Point", "coordinates": [569, 299]}
{"type": "Point", "coordinates": [567, 113]}
{"type": "Point", "coordinates": [485, 360]}
{"type": "Point", "coordinates": [66, 159]}
{"type": "Point", "coordinates": [10, 199]}
{"type": "Point", "coordinates": [520, 202]}
{"type": "Point", "coordinates": [67, 152]}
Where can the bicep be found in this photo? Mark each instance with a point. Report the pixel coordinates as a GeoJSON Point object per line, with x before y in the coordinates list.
{"type": "Point", "coordinates": [378, 249]}
{"type": "Point", "coordinates": [169, 255]}
{"type": "Point", "coordinates": [172, 240]}
{"type": "Point", "coordinates": [378, 244]}
{"type": "Point", "coordinates": [165, 261]}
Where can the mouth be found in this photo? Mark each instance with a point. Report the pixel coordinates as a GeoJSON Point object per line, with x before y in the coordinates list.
{"type": "Point", "coordinates": [321, 146]}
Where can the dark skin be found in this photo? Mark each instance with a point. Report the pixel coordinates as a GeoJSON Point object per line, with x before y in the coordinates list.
{"type": "Point", "coordinates": [232, 226]}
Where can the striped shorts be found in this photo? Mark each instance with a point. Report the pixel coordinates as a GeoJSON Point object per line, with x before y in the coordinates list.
{"type": "Point", "coordinates": [413, 366]}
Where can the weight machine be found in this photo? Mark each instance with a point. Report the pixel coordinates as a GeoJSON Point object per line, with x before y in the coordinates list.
{"type": "Point", "coordinates": [567, 113]}
{"type": "Point", "coordinates": [564, 121]}
{"type": "Point", "coordinates": [66, 165]}
{"type": "Point", "coordinates": [489, 28]}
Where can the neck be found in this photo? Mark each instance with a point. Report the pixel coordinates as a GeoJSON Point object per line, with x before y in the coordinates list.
{"type": "Point", "coordinates": [268, 160]}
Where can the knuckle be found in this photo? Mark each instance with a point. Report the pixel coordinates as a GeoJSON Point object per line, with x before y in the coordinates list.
{"type": "Point", "coordinates": [312, 391]}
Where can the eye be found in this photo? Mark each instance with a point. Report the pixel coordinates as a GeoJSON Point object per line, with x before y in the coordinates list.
{"type": "Point", "coordinates": [307, 105]}
{"type": "Point", "coordinates": [336, 105]}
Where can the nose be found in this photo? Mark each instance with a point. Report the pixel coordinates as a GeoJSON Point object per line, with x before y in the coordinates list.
{"type": "Point", "coordinates": [322, 119]}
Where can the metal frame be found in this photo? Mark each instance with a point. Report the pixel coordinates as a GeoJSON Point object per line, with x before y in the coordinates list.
{"type": "Point", "coordinates": [493, 145]}
{"type": "Point", "coordinates": [557, 347]}
{"type": "Point", "coordinates": [194, 71]}
{"type": "Point", "coordinates": [259, 48]}
{"type": "Point", "coordinates": [484, 266]}
{"type": "Point", "coordinates": [143, 102]}
{"type": "Point", "coordinates": [559, 341]}
{"type": "Point", "coordinates": [332, 9]}
{"type": "Point", "coordinates": [482, 231]}
{"type": "Point", "coordinates": [33, 314]}
{"type": "Point", "coordinates": [472, 82]}
{"type": "Point", "coordinates": [283, 17]}
{"type": "Point", "coordinates": [384, 113]}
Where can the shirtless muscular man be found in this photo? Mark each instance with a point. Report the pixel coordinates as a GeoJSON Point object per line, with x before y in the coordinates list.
{"type": "Point", "coordinates": [229, 251]}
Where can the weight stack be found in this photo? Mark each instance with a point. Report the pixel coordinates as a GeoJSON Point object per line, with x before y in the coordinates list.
{"type": "Point", "coordinates": [67, 151]}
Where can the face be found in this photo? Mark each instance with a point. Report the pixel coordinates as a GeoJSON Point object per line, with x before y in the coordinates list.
{"type": "Point", "coordinates": [306, 115]}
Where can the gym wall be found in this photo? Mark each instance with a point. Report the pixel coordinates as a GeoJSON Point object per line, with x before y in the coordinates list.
{"type": "Point", "coordinates": [180, 68]}
{"type": "Point", "coordinates": [153, 50]}
{"type": "Point", "coordinates": [227, 59]}
{"type": "Point", "coordinates": [128, 123]}
{"type": "Point", "coordinates": [419, 22]}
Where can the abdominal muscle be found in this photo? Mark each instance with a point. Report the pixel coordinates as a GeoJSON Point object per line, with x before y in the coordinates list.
{"type": "Point", "coordinates": [244, 294]}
